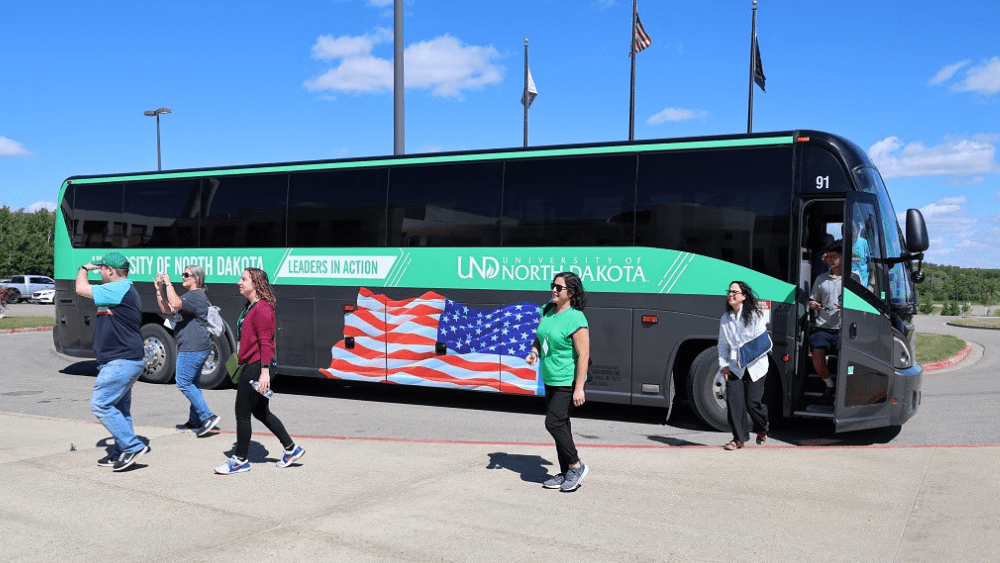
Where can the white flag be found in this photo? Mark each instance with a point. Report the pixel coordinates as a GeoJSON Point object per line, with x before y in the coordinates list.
{"type": "Point", "coordinates": [531, 93]}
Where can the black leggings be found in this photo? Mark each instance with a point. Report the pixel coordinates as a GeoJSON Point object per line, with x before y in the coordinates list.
{"type": "Point", "coordinates": [559, 403]}
{"type": "Point", "coordinates": [249, 401]}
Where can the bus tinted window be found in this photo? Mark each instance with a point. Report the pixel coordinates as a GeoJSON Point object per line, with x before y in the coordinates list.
{"type": "Point", "coordinates": [97, 215]}
{"type": "Point", "coordinates": [731, 204]}
{"type": "Point", "coordinates": [162, 213]}
{"type": "Point", "coordinates": [337, 208]}
{"type": "Point", "coordinates": [244, 211]}
{"type": "Point", "coordinates": [445, 205]}
{"type": "Point", "coordinates": [585, 201]}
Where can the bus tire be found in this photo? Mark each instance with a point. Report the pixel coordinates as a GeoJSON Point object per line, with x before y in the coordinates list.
{"type": "Point", "coordinates": [707, 391]}
{"type": "Point", "coordinates": [214, 373]}
{"type": "Point", "coordinates": [160, 351]}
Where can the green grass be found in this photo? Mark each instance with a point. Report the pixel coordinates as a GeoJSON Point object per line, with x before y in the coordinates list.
{"type": "Point", "coordinates": [7, 323]}
{"type": "Point", "coordinates": [937, 347]}
{"type": "Point", "coordinates": [987, 322]}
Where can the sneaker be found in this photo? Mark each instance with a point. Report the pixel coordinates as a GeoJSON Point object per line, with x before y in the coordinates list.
{"type": "Point", "coordinates": [555, 482]}
{"type": "Point", "coordinates": [234, 465]}
{"type": "Point", "coordinates": [829, 394]}
{"type": "Point", "coordinates": [207, 425]}
{"type": "Point", "coordinates": [109, 460]}
{"type": "Point", "coordinates": [127, 459]}
{"type": "Point", "coordinates": [187, 427]}
{"type": "Point", "coordinates": [574, 476]}
{"type": "Point", "coordinates": [290, 456]}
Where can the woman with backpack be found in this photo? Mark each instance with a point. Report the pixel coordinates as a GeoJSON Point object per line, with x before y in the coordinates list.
{"type": "Point", "coordinates": [194, 343]}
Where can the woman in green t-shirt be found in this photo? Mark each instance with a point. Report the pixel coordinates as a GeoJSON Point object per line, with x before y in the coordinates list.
{"type": "Point", "coordinates": [562, 342]}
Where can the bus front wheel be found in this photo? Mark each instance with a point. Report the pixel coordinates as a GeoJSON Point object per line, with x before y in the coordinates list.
{"type": "Point", "coordinates": [161, 353]}
{"type": "Point", "coordinates": [707, 389]}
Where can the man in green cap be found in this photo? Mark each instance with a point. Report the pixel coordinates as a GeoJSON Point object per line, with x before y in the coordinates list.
{"type": "Point", "coordinates": [120, 354]}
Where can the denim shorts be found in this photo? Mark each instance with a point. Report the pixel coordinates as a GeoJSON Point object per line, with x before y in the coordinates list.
{"type": "Point", "coordinates": [822, 338]}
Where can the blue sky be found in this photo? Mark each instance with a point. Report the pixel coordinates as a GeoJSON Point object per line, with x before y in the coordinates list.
{"type": "Point", "coordinates": [916, 83]}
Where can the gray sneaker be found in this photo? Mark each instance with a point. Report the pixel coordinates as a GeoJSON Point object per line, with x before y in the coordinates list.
{"type": "Point", "coordinates": [554, 482]}
{"type": "Point", "coordinates": [574, 476]}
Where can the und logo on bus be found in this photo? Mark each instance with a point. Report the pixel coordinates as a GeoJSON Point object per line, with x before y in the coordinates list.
{"type": "Point", "coordinates": [487, 267]}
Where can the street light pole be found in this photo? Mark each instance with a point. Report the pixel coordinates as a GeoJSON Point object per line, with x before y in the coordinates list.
{"type": "Point", "coordinates": [156, 113]}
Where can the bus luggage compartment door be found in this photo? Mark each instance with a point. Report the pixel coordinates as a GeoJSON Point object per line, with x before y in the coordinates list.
{"type": "Point", "coordinates": [610, 373]}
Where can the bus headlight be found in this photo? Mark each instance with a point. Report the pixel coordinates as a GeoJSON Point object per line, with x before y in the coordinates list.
{"type": "Point", "coordinates": [902, 354]}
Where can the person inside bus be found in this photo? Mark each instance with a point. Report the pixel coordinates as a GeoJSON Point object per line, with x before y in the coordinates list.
{"type": "Point", "coordinates": [193, 341]}
{"type": "Point", "coordinates": [861, 254]}
{"type": "Point", "coordinates": [826, 301]}
{"type": "Point", "coordinates": [562, 343]}
{"type": "Point", "coordinates": [741, 323]}
{"type": "Point", "coordinates": [255, 331]}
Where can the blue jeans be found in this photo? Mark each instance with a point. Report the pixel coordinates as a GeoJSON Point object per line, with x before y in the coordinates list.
{"type": "Point", "coordinates": [112, 400]}
{"type": "Point", "coordinates": [188, 378]}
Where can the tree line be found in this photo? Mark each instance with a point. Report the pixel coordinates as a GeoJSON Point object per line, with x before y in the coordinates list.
{"type": "Point", "coordinates": [954, 286]}
{"type": "Point", "coordinates": [26, 242]}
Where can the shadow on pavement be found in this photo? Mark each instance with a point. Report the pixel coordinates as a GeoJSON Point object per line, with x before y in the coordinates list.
{"type": "Point", "coordinates": [530, 467]}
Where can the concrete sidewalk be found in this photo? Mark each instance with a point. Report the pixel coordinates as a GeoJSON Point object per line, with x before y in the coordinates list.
{"type": "Point", "coordinates": [387, 500]}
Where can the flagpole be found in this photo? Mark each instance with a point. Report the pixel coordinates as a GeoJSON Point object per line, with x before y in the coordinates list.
{"type": "Point", "coordinates": [753, 41]}
{"type": "Point", "coordinates": [631, 89]}
{"type": "Point", "coordinates": [524, 96]}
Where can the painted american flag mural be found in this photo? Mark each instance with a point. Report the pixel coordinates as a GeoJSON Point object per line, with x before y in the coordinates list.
{"type": "Point", "coordinates": [395, 341]}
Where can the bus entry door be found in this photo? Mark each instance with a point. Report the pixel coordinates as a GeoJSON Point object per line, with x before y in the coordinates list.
{"type": "Point", "coordinates": [863, 362]}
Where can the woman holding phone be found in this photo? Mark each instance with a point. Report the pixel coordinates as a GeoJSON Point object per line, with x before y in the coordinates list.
{"type": "Point", "coordinates": [255, 330]}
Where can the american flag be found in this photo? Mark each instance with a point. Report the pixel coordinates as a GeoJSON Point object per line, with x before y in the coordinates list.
{"type": "Point", "coordinates": [395, 341]}
{"type": "Point", "coordinates": [642, 39]}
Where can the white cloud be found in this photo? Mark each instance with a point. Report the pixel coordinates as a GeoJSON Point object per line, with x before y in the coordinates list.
{"type": "Point", "coordinates": [602, 5]}
{"type": "Point", "coordinates": [10, 147]}
{"type": "Point", "coordinates": [47, 205]}
{"type": "Point", "coordinates": [328, 47]}
{"type": "Point", "coordinates": [953, 157]}
{"type": "Point", "coordinates": [956, 237]}
{"type": "Point", "coordinates": [675, 114]}
{"type": "Point", "coordinates": [984, 79]}
{"type": "Point", "coordinates": [443, 65]}
{"type": "Point", "coordinates": [947, 72]}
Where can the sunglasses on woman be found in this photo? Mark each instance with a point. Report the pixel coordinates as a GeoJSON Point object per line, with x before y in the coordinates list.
{"type": "Point", "coordinates": [185, 275]}
{"type": "Point", "coordinates": [558, 288]}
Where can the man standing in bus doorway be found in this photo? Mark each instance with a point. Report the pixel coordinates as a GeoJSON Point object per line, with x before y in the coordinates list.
{"type": "Point", "coordinates": [825, 300]}
{"type": "Point", "coordinates": [120, 354]}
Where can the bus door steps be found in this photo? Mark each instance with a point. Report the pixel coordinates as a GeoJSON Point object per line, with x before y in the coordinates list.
{"type": "Point", "coordinates": [815, 411]}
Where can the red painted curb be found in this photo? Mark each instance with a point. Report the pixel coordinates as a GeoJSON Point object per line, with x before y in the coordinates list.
{"type": "Point", "coordinates": [950, 361]}
{"type": "Point", "coordinates": [30, 329]}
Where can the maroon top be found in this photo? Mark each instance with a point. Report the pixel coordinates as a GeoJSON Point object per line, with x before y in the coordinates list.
{"type": "Point", "coordinates": [257, 335]}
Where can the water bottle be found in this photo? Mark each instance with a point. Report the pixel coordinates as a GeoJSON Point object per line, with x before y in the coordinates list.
{"type": "Point", "coordinates": [255, 385]}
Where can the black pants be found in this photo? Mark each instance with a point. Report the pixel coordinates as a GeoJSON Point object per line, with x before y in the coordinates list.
{"type": "Point", "coordinates": [743, 396]}
{"type": "Point", "coordinates": [249, 401]}
{"type": "Point", "coordinates": [558, 404]}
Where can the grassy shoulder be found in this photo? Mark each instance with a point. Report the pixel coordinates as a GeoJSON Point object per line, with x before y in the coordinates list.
{"type": "Point", "coordinates": [8, 323]}
{"type": "Point", "coordinates": [981, 322]}
{"type": "Point", "coordinates": [937, 347]}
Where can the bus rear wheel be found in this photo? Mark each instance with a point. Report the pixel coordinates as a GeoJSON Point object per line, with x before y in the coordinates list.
{"type": "Point", "coordinates": [707, 390]}
{"type": "Point", "coordinates": [161, 354]}
{"type": "Point", "coordinates": [214, 373]}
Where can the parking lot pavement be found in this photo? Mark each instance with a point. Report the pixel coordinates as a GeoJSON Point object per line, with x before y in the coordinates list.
{"type": "Point", "coordinates": [395, 500]}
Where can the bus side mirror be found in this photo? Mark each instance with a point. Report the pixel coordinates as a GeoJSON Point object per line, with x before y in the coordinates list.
{"type": "Point", "coordinates": [916, 231]}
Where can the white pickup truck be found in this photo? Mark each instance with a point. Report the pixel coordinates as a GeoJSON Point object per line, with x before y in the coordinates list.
{"type": "Point", "coordinates": [21, 287]}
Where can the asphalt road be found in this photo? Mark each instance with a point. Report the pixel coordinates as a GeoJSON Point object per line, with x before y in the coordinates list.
{"type": "Point", "coordinates": [958, 406]}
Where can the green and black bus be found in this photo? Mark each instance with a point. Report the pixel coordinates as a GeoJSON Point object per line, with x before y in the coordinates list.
{"type": "Point", "coordinates": [430, 269]}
